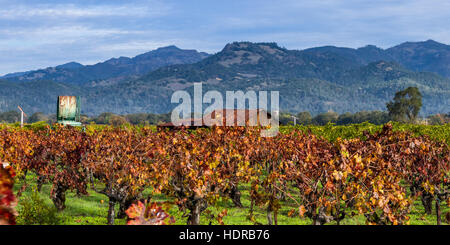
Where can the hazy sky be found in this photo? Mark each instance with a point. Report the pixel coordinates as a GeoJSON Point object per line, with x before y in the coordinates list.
{"type": "Point", "coordinates": [38, 33]}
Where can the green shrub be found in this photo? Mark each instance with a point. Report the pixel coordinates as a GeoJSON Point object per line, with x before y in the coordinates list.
{"type": "Point", "coordinates": [34, 211]}
{"type": "Point", "coordinates": [37, 126]}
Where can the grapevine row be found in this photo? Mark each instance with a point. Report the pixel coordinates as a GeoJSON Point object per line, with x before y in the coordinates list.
{"type": "Point", "coordinates": [378, 176]}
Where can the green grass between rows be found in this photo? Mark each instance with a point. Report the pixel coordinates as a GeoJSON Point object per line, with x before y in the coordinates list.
{"type": "Point", "coordinates": [92, 210]}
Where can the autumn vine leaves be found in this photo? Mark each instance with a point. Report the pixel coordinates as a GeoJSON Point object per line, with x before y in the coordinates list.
{"type": "Point", "coordinates": [377, 177]}
{"type": "Point", "coordinates": [7, 199]}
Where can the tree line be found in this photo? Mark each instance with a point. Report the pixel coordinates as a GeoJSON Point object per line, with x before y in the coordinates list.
{"type": "Point", "coordinates": [286, 118]}
{"type": "Point", "coordinates": [103, 118]}
{"type": "Point", "coordinates": [404, 107]}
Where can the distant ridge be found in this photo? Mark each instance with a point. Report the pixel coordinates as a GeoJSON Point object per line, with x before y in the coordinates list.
{"type": "Point", "coordinates": [112, 70]}
{"type": "Point", "coordinates": [315, 79]}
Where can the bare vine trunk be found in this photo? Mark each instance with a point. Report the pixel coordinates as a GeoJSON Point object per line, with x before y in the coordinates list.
{"type": "Point", "coordinates": [124, 205]}
{"type": "Point", "coordinates": [111, 211]}
{"type": "Point", "coordinates": [427, 202]}
{"type": "Point", "coordinates": [235, 195]}
{"type": "Point", "coordinates": [438, 211]}
{"type": "Point", "coordinates": [194, 216]}
{"type": "Point", "coordinates": [58, 197]}
{"type": "Point", "coordinates": [24, 185]}
{"type": "Point", "coordinates": [269, 214]}
{"type": "Point", "coordinates": [40, 182]}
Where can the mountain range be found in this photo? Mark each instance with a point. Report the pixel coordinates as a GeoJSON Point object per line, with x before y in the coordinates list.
{"type": "Point", "coordinates": [113, 70]}
{"type": "Point", "coordinates": [315, 79]}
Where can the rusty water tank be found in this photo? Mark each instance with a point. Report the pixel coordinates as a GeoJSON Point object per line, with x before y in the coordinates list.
{"type": "Point", "coordinates": [68, 110]}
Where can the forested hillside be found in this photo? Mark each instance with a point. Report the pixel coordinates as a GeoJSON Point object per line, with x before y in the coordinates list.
{"type": "Point", "coordinates": [316, 80]}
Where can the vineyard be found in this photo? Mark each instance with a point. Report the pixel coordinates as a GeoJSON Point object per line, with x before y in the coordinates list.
{"type": "Point", "coordinates": [359, 174]}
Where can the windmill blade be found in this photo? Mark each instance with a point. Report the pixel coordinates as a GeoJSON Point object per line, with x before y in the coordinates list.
{"type": "Point", "coordinates": [20, 108]}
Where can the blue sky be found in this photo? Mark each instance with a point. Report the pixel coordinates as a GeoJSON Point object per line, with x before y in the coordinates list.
{"type": "Point", "coordinates": [40, 33]}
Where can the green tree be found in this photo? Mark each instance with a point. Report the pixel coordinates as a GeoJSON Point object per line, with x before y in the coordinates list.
{"type": "Point", "coordinates": [10, 116]}
{"type": "Point", "coordinates": [375, 117]}
{"type": "Point", "coordinates": [37, 117]}
{"type": "Point", "coordinates": [346, 118]}
{"type": "Point", "coordinates": [117, 120]}
{"type": "Point", "coordinates": [137, 118]}
{"type": "Point", "coordinates": [439, 119]}
{"type": "Point", "coordinates": [285, 118]}
{"type": "Point", "coordinates": [304, 118]}
{"type": "Point", "coordinates": [406, 105]}
{"type": "Point", "coordinates": [103, 118]}
{"type": "Point", "coordinates": [325, 118]}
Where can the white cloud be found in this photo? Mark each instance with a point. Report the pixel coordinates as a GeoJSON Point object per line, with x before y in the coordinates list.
{"type": "Point", "coordinates": [44, 34]}
{"type": "Point", "coordinates": [65, 11]}
{"type": "Point", "coordinates": [62, 32]}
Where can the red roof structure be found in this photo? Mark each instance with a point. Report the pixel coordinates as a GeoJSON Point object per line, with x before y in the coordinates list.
{"type": "Point", "coordinates": [224, 117]}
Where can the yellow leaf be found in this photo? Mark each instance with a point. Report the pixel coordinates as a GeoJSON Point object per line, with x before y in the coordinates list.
{"type": "Point", "coordinates": [301, 210]}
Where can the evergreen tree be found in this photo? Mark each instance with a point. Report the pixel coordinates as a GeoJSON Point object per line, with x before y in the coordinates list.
{"type": "Point", "coordinates": [406, 105]}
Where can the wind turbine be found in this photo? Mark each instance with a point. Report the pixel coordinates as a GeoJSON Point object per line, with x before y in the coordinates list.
{"type": "Point", "coordinates": [21, 115]}
{"type": "Point", "coordinates": [295, 119]}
